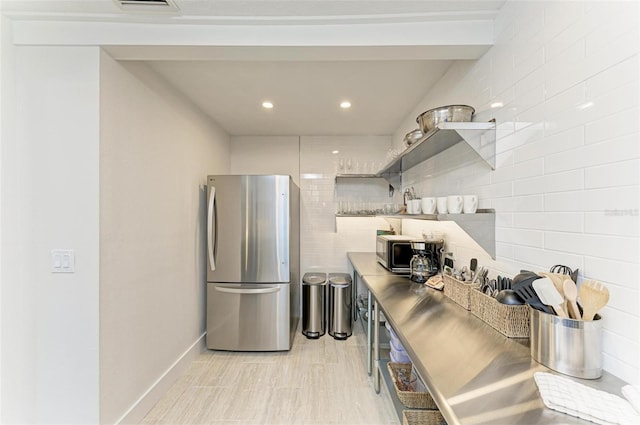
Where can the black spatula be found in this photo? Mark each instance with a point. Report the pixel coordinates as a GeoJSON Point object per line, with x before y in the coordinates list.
{"type": "Point", "coordinates": [524, 289]}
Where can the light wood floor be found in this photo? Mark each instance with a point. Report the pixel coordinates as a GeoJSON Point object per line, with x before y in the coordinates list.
{"type": "Point", "coordinates": [321, 381]}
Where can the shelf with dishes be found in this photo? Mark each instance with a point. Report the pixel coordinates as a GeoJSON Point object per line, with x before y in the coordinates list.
{"type": "Point", "coordinates": [440, 129]}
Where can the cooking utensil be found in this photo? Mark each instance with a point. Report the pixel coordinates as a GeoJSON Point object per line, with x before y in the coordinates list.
{"type": "Point", "coordinates": [559, 268]}
{"type": "Point", "coordinates": [565, 270]}
{"type": "Point", "coordinates": [413, 136]}
{"type": "Point", "coordinates": [558, 282]}
{"type": "Point", "coordinates": [428, 120]}
{"type": "Point", "coordinates": [593, 296]}
{"type": "Point", "coordinates": [477, 275]}
{"type": "Point", "coordinates": [508, 296]}
{"type": "Point", "coordinates": [473, 265]}
{"type": "Point", "coordinates": [504, 283]}
{"type": "Point", "coordinates": [508, 283]}
{"type": "Point", "coordinates": [574, 276]}
{"type": "Point", "coordinates": [524, 275]}
{"type": "Point", "coordinates": [522, 285]}
{"type": "Point", "coordinates": [571, 294]}
{"type": "Point", "coordinates": [549, 295]}
{"type": "Point", "coordinates": [488, 287]}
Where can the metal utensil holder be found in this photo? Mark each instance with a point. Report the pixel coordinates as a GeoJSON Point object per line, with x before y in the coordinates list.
{"type": "Point", "coordinates": [569, 346]}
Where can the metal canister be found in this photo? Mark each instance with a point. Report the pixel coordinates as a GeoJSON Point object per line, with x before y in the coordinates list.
{"type": "Point", "coordinates": [569, 346]}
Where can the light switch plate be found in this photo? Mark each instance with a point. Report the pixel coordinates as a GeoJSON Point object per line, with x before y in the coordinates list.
{"type": "Point", "coordinates": [63, 261]}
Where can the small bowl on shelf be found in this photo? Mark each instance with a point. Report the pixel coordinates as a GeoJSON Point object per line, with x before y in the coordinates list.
{"type": "Point", "coordinates": [413, 136]}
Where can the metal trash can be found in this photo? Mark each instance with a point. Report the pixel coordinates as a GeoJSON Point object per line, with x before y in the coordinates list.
{"type": "Point", "coordinates": [340, 305]}
{"type": "Point", "coordinates": [314, 320]}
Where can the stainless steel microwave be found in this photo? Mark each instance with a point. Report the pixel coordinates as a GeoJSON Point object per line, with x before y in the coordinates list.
{"type": "Point", "coordinates": [394, 253]}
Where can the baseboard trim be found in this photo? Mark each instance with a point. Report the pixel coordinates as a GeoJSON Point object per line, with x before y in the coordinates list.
{"type": "Point", "coordinates": [143, 405]}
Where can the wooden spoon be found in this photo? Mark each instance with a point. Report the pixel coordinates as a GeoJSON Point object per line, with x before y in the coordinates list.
{"type": "Point", "coordinates": [570, 291]}
{"type": "Point", "coordinates": [593, 296]}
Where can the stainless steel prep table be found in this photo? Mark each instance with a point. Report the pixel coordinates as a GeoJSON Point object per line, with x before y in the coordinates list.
{"type": "Point", "coordinates": [365, 264]}
{"type": "Point", "coordinates": [475, 374]}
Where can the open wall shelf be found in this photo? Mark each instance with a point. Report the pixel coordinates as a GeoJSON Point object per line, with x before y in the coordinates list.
{"type": "Point", "coordinates": [480, 136]}
{"type": "Point", "coordinates": [481, 226]}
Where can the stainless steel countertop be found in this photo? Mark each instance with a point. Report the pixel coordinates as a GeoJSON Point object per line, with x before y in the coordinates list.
{"type": "Point", "coordinates": [475, 374]}
{"type": "Point", "coordinates": [365, 264]}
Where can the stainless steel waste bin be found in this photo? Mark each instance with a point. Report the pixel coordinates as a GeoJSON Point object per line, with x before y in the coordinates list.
{"type": "Point", "coordinates": [340, 305]}
{"type": "Point", "coordinates": [314, 288]}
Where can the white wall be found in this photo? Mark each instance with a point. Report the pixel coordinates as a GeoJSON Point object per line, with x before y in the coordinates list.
{"type": "Point", "coordinates": [156, 150]}
{"type": "Point", "coordinates": [86, 347]}
{"type": "Point", "coordinates": [266, 155]}
{"type": "Point", "coordinates": [6, 100]}
{"type": "Point", "coordinates": [325, 240]}
{"type": "Point", "coordinates": [566, 184]}
{"type": "Point", "coordinates": [50, 200]}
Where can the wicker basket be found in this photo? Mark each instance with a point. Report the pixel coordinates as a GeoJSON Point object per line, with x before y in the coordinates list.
{"type": "Point", "coordinates": [412, 399]}
{"type": "Point", "coordinates": [458, 291]}
{"type": "Point", "coordinates": [422, 417]}
{"type": "Point", "coordinates": [510, 320]}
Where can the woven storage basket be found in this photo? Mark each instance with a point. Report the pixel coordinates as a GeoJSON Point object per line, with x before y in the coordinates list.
{"type": "Point", "coordinates": [412, 399]}
{"type": "Point", "coordinates": [509, 320]}
{"type": "Point", "coordinates": [458, 291]}
{"type": "Point", "coordinates": [422, 417]}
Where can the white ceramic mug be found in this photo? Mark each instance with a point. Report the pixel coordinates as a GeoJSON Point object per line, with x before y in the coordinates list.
{"type": "Point", "coordinates": [428, 205]}
{"type": "Point", "coordinates": [454, 204]}
{"type": "Point", "coordinates": [416, 207]}
{"type": "Point", "coordinates": [441, 203]}
{"type": "Point", "coordinates": [409, 207]}
{"type": "Point", "coordinates": [469, 204]}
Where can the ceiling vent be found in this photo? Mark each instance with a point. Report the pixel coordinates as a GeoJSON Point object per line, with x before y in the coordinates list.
{"type": "Point", "coordinates": [148, 5]}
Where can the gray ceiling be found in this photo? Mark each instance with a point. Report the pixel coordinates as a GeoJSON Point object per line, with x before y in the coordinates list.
{"type": "Point", "coordinates": [306, 88]}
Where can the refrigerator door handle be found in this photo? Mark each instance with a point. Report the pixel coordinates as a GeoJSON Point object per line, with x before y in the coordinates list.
{"type": "Point", "coordinates": [247, 291]}
{"type": "Point", "coordinates": [211, 229]}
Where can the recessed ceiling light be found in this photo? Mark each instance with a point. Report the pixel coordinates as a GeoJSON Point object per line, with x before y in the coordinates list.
{"type": "Point", "coordinates": [335, 152]}
{"type": "Point", "coordinates": [345, 104]}
{"type": "Point", "coordinates": [267, 105]}
{"type": "Point", "coordinates": [497, 105]}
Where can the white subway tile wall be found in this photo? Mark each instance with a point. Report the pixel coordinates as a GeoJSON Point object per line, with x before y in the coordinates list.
{"type": "Point", "coordinates": [566, 186]}
{"type": "Point", "coordinates": [325, 239]}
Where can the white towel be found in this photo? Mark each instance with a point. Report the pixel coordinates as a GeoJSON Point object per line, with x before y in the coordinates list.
{"type": "Point", "coordinates": [632, 393]}
{"type": "Point", "coordinates": [575, 399]}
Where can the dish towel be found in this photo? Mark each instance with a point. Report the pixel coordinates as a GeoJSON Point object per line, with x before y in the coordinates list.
{"type": "Point", "coordinates": [632, 393]}
{"type": "Point", "coordinates": [575, 399]}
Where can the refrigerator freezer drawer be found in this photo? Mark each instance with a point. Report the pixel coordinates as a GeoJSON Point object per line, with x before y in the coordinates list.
{"type": "Point", "coordinates": [248, 317]}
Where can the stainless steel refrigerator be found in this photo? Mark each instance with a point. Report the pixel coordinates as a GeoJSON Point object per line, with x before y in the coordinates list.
{"type": "Point", "coordinates": [253, 246]}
